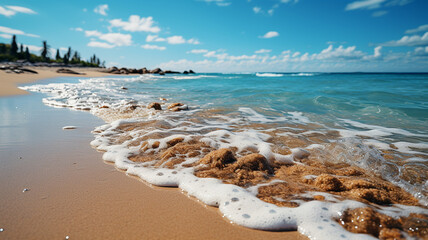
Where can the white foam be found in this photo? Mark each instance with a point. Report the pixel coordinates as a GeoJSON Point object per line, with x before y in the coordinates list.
{"type": "Point", "coordinates": [269, 75]}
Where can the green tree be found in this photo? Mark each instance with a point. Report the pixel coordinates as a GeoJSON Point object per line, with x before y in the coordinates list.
{"type": "Point", "coordinates": [58, 56]}
{"type": "Point", "coordinates": [3, 48]}
{"type": "Point", "coordinates": [27, 54]}
{"type": "Point", "coordinates": [14, 47]}
{"type": "Point", "coordinates": [45, 52]}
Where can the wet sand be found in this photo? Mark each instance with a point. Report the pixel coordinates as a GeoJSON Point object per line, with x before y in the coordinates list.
{"type": "Point", "coordinates": [72, 192]}
{"type": "Point", "coordinates": [9, 81]}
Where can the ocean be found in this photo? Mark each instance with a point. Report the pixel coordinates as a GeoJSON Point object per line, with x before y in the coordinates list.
{"type": "Point", "coordinates": [297, 150]}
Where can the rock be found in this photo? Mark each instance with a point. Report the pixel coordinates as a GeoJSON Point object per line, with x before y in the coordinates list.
{"type": "Point", "coordinates": [69, 127]}
{"type": "Point", "coordinates": [17, 71]}
{"type": "Point", "coordinates": [133, 70]}
{"type": "Point", "coordinates": [68, 71]}
{"type": "Point", "coordinates": [144, 71]}
{"type": "Point", "coordinates": [161, 73]}
{"type": "Point", "coordinates": [163, 99]}
{"type": "Point", "coordinates": [191, 71]}
{"type": "Point", "coordinates": [112, 69]}
{"type": "Point", "coordinates": [254, 162]}
{"type": "Point", "coordinates": [29, 70]}
{"type": "Point", "coordinates": [124, 88]}
{"type": "Point", "coordinates": [156, 70]}
{"type": "Point", "coordinates": [124, 71]}
{"type": "Point", "coordinates": [154, 105]}
{"type": "Point", "coordinates": [171, 72]}
{"type": "Point", "coordinates": [218, 158]}
{"type": "Point", "coordinates": [175, 107]}
{"type": "Point", "coordinates": [185, 72]}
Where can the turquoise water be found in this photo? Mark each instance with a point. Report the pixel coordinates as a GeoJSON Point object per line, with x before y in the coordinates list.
{"type": "Point", "coordinates": [377, 122]}
{"type": "Point", "coordinates": [390, 100]}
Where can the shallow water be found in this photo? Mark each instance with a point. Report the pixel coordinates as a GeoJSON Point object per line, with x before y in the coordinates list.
{"type": "Point", "coordinates": [377, 122]}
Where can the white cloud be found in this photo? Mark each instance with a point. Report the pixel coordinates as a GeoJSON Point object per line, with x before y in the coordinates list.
{"type": "Point", "coordinates": [111, 39]}
{"type": "Point", "coordinates": [263, 51]}
{"type": "Point", "coordinates": [154, 38]}
{"type": "Point", "coordinates": [176, 40]}
{"type": "Point", "coordinates": [78, 29]}
{"type": "Point", "coordinates": [256, 9]}
{"type": "Point", "coordinates": [364, 4]}
{"type": "Point", "coordinates": [270, 34]}
{"type": "Point", "coordinates": [339, 53]}
{"type": "Point", "coordinates": [377, 52]}
{"type": "Point", "coordinates": [16, 32]}
{"type": "Point", "coordinates": [93, 33]}
{"type": "Point", "coordinates": [6, 12]}
{"type": "Point", "coordinates": [421, 28]}
{"type": "Point", "coordinates": [21, 9]}
{"type": "Point", "coordinates": [4, 35]}
{"type": "Point", "coordinates": [153, 47]}
{"type": "Point", "coordinates": [12, 10]}
{"type": "Point", "coordinates": [101, 9]}
{"type": "Point", "coordinates": [100, 44]}
{"type": "Point", "coordinates": [193, 41]}
{"type": "Point", "coordinates": [421, 51]}
{"type": "Point", "coordinates": [136, 24]}
{"type": "Point", "coordinates": [220, 3]}
{"type": "Point", "coordinates": [198, 51]}
{"type": "Point", "coordinates": [171, 40]}
{"type": "Point", "coordinates": [415, 40]}
{"type": "Point", "coordinates": [118, 39]}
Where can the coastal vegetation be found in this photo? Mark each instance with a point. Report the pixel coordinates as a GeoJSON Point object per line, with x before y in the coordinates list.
{"type": "Point", "coordinates": [14, 52]}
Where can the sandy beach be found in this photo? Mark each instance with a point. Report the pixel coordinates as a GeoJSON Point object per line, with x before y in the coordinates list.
{"type": "Point", "coordinates": [54, 185]}
{"type": "Point", "coordinates": [9, 81]}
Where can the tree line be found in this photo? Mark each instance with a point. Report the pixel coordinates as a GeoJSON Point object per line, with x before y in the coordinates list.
{"type": "Point", "coordinates": [14, 52]}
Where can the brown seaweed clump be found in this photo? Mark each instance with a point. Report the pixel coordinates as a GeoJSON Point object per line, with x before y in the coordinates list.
{"type": "Point", "coordinates": [244, 171]}
{"type": "Point", "coordinates": [368, 221]}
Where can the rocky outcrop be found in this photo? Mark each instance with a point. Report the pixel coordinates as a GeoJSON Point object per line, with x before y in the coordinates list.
{"type": "Point", "coordinates": [16, 69]}
{"type": "Point", "coordinates": [115, 70]}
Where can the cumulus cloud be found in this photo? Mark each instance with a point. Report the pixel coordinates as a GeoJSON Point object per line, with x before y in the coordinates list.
{"type": "Point", "coordinates": [421, 28]}
{"type": "Point", "coordinates": [339, 53]}
{"type": "Point", "coordinates": [136, 23]}
{"type": "Point", "coordinates": [410, 41]}
{"type": "Point", "coordinates": [111, 39]}
{"type": "Point", "coordinates": [421, 51]}
{"type": "Point", "coordinates": [12, 10]}
{"type": "Point", "coordinates": [100, 44]}
{"type": "Point", "coordinates": [270, 34]}
{"type": "Point", "coordinates": [101, 9]}
{"type": "Point", "coordinates": [256, 9]}
{"type": "Point", "coordinates": [6, 30]}
{"type": "Point", "coordinates": [153, 47]}
{"type": "Point", "coordinates": [263, 51]}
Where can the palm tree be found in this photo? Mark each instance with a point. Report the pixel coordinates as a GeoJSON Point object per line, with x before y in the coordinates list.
{"type": "Point", "coordinates": [58, 56]}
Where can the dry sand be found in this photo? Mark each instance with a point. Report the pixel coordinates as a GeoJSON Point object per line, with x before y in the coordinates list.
{"type": "Point", "coordinates": [74, 193]}
{"type": "Point", "coordinates": [9, 81]}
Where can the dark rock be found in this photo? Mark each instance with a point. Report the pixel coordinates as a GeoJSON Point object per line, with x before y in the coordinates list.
{"type": "Point", "coordinates": [67, 71]}
{"type": "Point", "coordinates": [171, 72]}
{"type": "Point", "coordinates": [185, 72]}
{"type": "Point", "coordinates": [156, 70]}
{"type": "Point", "coordinates": [161, 73]}
{"type": "Point", "coordinates": [155, 105]}
{"type": "Point", "coordinates": [29, 70]}
{"type": "Point", "coordinates": [191, 71]}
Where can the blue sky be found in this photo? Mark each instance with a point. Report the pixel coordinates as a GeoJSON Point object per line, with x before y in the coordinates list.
{"type": "Point", "coordinates": [230, 35]}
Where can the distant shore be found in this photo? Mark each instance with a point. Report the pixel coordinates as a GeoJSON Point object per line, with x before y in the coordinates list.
{"type": "Point", "coordinates": [10, 80]}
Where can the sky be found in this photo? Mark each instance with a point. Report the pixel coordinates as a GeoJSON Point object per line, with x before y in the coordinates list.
{"type": "Point", "coordinates": [229, 35]}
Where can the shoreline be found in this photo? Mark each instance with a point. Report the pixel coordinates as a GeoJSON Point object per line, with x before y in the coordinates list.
{"type": "Point", "coordinates": [10, 81]}
{"type": "Point", "coordinates": [72, 192]}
